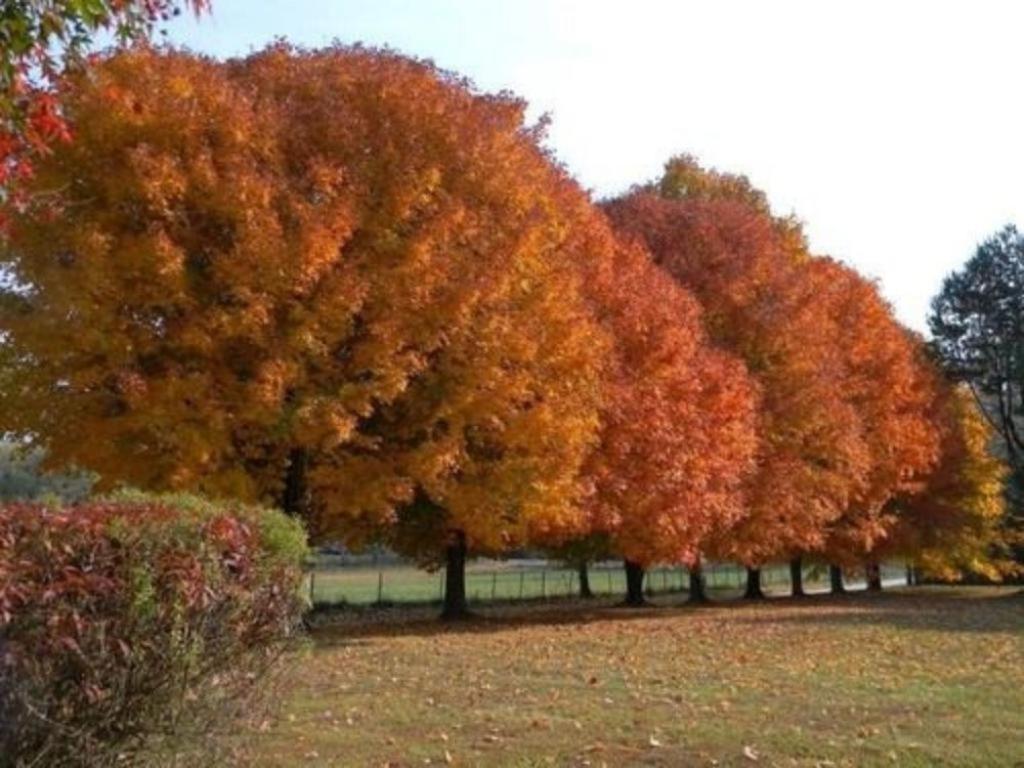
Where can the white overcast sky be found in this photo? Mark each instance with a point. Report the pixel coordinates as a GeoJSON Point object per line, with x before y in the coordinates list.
{"type": "Point", "coordinates": [895, 130]}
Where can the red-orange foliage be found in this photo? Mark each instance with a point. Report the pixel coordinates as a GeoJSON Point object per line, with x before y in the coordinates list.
{"type": "Point", "coordinates": [470, 358]}
{"type": "Point", "coordinates": [761, 303]}
{"type": "Point", "coordinates": [678, 422]}
{"type": "Point", "coordinates": [891, 385]}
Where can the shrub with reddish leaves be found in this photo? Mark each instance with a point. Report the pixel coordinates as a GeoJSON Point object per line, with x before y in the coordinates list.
{"type": "Point", "coordinates": [128, 622]}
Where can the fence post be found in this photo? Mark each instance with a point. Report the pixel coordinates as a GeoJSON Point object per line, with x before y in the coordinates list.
{"type": "Point", "coordinates": [380, 586]}
{"type": "Point", "coordinates": [522, 576]}
{"type": "Point", "coordinates": [312, 588]}
{"type": "Point", "coordinates": [543, 584]}
{"type": "Point", "coordinates": [440, 584]}
{"type": "Point", "coordinates": [494, 584]}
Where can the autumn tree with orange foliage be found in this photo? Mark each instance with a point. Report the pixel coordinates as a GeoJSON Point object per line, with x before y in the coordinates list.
{"type": "Point", "coordinates": [888, 379]}
{"type": "Point", "coordinates": [714, 234]}
{"type": "Point", "coordinates": [684, 178]}
{"type": "Point", "coordinates": [341, 281]}
{"type": "Point", "coordinates": [677, 427]}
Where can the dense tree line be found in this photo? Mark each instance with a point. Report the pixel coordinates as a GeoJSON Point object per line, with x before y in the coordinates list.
{"type": "Point", "coordinates": [345, 282]}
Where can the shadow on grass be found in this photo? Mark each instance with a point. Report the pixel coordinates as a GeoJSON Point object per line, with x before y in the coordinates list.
{"type": "Point", "coordinates": [942, 609]}
{"type": "Point", "coordinates": [952, 609]}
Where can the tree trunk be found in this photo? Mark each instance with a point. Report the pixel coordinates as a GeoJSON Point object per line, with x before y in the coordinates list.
{"type": "Point", "coordinates": [634, 584]}
{"type": "Point", "coordinates": [295, 495]}
{"type": "Point", "coordinates": [698, 594]}
{"type": "Point", "coordinates": [835, 575]}
{"type": "Point", "coordinates": [796, 577]}
{"type": "Point", "coordinates": [584, 573]}
{"type": "Point", "coordinates": [874, 576]}
{"type": "Point", "coordinates": [911, 576]}
{"type": "Point", "coordinates": [455, 578]}
{"type": "Point", "coordinates": [754, 591]}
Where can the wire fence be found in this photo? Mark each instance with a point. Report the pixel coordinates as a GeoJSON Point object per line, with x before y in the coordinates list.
{"type": "Point", "coordinates": [334, 584]}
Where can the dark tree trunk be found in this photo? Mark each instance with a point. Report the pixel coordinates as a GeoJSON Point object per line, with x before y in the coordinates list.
{"type": "Point", "coordinates": [698, 594]}
{"type": "Point", "coordinates": [911, 576]}
{"type": "Point", "coordinates": [874, 577]}
{"type": "Point", "coordinates": [634, 584]}
{"type": "Point", "coordinates": [796, 577]}
{"type": "Point", "coordinates": [835, 576]}
{"type": "Point", "coordinates": [455, 578]}
{"type": "Point", "coordinates": [584, 573]}
{"type": "Point", "coordinates": [754, 591]}
{"type": "Point", "coordinates": [295, 495]}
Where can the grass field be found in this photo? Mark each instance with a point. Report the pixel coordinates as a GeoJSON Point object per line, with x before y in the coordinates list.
{"type": "Point", "coordinates": [921, 677]}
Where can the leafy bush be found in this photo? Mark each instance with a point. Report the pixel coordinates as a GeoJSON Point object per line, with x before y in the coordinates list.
{"type": "Point", "coordinates": [130, 621]}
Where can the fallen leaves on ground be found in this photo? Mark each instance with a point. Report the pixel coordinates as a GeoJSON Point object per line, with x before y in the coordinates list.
{"type": "Point", "coordinates": [920, 677]}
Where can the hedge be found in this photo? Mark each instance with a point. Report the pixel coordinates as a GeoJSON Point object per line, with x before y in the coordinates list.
{"type": "Point", "coordinates": [132, 621]}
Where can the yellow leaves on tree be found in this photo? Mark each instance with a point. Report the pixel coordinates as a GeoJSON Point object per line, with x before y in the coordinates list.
{"type": "Point", "coordinates": [157, 248]}
{"type": "Point", "coordinates": [955, 524]}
